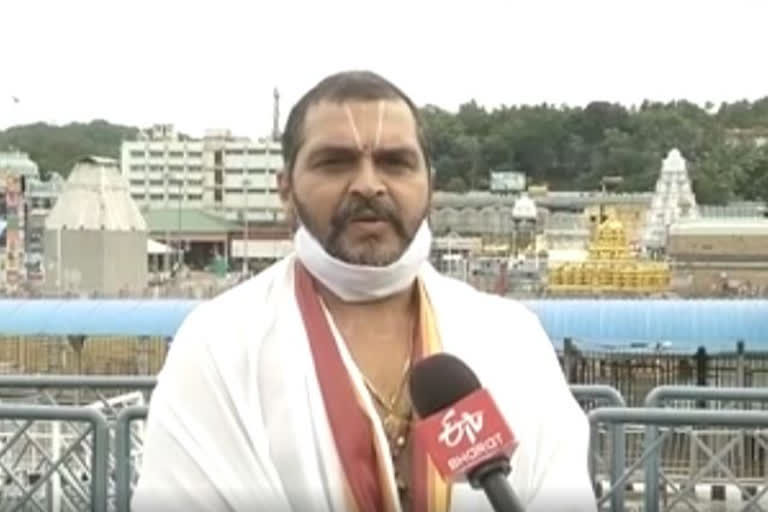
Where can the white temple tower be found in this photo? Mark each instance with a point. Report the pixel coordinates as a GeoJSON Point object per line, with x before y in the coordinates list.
{"type": "Point", "coordinates": [673, 200]}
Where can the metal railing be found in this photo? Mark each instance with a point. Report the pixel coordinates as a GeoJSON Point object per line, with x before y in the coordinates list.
{"type": "Point", "coordinates": [661, 395]}
{"type": "Point", "coordinates": [78, 497]}
{"type": "Point", "coordinates": [113, 472]}
{"type": "Point", "coordinates": [60, 392]}
{"type": "Point", "coordinates": [611, 397]}
{"type": "Point", "coordinates": [106, 396]}
{"type": "Point", "coordinates": [675, 418]}
{"type": "Point", "coordinates": [125, 475]}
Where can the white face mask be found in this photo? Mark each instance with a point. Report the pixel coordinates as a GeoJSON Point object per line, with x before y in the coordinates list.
{"type": "Point", "coordinates": [362, 283]}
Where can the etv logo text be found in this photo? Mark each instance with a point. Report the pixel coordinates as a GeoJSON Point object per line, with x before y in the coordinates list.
{"type": "Point", "coordinates": [470, 424]}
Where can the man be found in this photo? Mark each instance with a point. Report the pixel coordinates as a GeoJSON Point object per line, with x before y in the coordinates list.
{"type": "Point", "coordinates": [289, 391]}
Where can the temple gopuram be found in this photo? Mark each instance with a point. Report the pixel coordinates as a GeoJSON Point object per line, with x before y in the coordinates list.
{"type": "Point", "coordinates": [611, 268]}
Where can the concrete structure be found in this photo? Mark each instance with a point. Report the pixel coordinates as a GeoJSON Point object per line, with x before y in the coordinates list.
{"type": "Point", "coordinates": [196, 235]}
{"type": "Point", "coordinates": [95, 238]}
{"type": "Point", "coordinates": [15, 169]}
{"type": "Point", "coordinates": [565, 231]}
{"type": "Point", "coordinates": [741, 209]}
{"type": "Point", "coordinates": [480, 212]}
{"type": "Point", "coordinates": [724, 256]}
{"type": "Point", "coordinates": [222, 173]}
{"type": "Point", "coordinates": [260, 246]}
{"type": "Point", "coordinates": [673, 200]}
{"type": "Point", "coordinates": [475, 214]}
{"type": "Point", "coordinates": [756, 137]}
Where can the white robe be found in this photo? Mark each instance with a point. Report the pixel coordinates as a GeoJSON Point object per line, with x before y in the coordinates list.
{"type": "Point", "coordinates": [237, 421]}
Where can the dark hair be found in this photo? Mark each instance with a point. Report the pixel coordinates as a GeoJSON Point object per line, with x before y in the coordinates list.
{"type": "Point", "coordinates": [340, 87]}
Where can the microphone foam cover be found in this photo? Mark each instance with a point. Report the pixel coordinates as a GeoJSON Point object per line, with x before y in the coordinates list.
{"type": "Point", "coordinates": [439, 381]}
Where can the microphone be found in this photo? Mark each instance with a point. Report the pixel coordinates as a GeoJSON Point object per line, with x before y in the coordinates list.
{"type": "Point", "coordinates": [462, 430]}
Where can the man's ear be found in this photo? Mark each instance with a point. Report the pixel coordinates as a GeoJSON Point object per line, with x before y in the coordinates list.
{"type": "Point", "coordinates": [284, 187]}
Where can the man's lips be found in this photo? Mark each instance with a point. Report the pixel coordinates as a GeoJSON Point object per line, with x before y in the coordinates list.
{"type": "Point", "coordinates": [369, 223]}
{"type": "Point", "coordinates": [369, 218]}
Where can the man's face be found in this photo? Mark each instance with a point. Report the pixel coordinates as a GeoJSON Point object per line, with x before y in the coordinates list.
{"type": "Point", "coordinates": [360, 183]}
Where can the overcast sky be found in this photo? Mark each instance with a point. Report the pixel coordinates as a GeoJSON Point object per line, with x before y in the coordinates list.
{"type": "Point", "coordinates": [214, 64]}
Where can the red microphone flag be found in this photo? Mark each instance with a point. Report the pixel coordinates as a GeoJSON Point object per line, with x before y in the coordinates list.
{"type": "Point", "coordinates": [463, 436]}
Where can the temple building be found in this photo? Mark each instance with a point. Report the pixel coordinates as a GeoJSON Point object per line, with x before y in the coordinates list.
{"type": "Point", "coordinates": [673, 201]}
{"type": "Point", "coordinates": [611, 268]}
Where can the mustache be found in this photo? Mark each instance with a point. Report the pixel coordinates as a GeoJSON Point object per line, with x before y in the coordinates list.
{"type": "Point", "coordinates": [368, 209]}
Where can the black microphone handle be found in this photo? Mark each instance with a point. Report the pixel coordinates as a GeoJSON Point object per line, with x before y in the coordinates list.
{"type": "Point", "coordinates": [491, 477]}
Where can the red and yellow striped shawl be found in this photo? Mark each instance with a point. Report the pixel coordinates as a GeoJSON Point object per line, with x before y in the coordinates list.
{"type": "Point", "coordinates": [360, 455]}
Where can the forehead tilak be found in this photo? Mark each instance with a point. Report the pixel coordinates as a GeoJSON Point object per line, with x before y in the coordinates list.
{"type": "Point", "coordinates": [363, 146]}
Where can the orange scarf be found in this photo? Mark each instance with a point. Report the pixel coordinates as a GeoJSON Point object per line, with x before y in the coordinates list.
{"type": "Point", "coordinates": [360, 455]}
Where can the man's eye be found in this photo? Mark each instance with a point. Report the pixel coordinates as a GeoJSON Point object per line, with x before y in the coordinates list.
{"type": "Point", "coordinates": [333, 161]}
{"type": "Point", "coordinates": [395, 161]}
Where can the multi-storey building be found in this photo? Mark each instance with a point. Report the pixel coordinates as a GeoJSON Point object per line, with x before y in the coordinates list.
{"type": "Point", "coordinates": [15, 169]}
{"type": "Point", "coordinates": [40, 197]}
{"type": "Point", "coordinates": [221, 173]}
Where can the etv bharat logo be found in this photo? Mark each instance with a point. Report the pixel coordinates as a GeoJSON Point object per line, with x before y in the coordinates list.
{"type": "Point", "coordinates": [469, 425]}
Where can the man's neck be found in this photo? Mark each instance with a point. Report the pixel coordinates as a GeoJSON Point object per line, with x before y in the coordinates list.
{"type": "Point", "coordinates": [379, 336]}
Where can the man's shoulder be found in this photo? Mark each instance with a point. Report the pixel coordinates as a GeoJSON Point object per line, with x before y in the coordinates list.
{"type": "Point", "coordinates": [488, 306]}
{"type": "Point", "coordinates": [498, 334]}
{"type": "Point", "coordinates": [236, 306]}
{"type": "Point", "coordinates": [253, 291]}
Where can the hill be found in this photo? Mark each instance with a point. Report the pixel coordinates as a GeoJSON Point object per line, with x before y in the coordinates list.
{"type": "Point", "coordinates": [564, 147]}
{"type": "Point", "coordinates": [54, 148]}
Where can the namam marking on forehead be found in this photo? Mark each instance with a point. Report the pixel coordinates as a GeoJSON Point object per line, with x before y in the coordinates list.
{"type": "Point", "coordinates": [364, 146]}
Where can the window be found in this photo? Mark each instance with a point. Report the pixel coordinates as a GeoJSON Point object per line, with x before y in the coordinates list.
{"type": "Point", "coordinates": [156, 197]}
{"type": "Point", "coordinates": [176, 154]}
{"type": "Point", "coordinates": [257, 151]}
{"type": "Point", "coordinates": [217, 158]}
{"type": "Point", "coordinates": [234, 171]}
{"type": "Point", "coordinates": [195, 197]}
{"type": "Point", "coordinates": [138, 154]}
{"type": "Point", "coordinates": [138, 197]}
{"type": "Point", "coordinates": [235, 152]}
{"type": "Point", "coordinates": [194, 154]}
{"type": "Point", "coordinates": [156, 183]}
{"type": "Point", "coordinates": [156, 154]}
{"type": "Point", "coordinates": [217, 195]}
{"type": "Point", "coordinates": [137, 183]}
{"type": "Point", "coordinates": [137, 168]}
{"type": "Point", "coordinates": [218, 177]}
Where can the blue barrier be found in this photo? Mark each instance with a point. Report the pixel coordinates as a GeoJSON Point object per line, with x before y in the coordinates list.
{"type": "Point", "coordinates": [41, 317]}
{"type": "Point", "coordinates": [682, 324]}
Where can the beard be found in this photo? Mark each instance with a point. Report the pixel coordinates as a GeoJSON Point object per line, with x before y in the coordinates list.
{"type": "Point", "coordinates": [357, 208]}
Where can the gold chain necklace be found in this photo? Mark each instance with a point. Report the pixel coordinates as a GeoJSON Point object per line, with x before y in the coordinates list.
{"type": "Point", "coordinates": [395, 425]}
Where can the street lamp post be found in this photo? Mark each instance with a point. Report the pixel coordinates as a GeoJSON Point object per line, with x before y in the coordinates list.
{"type": "Point", "coordinates": [246, 184]}
{"type": "Point", "coordinates": [167, 259]}
{"type": "Point", "coordinates": [179, 257]}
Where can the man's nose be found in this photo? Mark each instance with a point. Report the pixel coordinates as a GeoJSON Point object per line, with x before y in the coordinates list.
{"type": "Point", "coordinates": [367, 182]}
